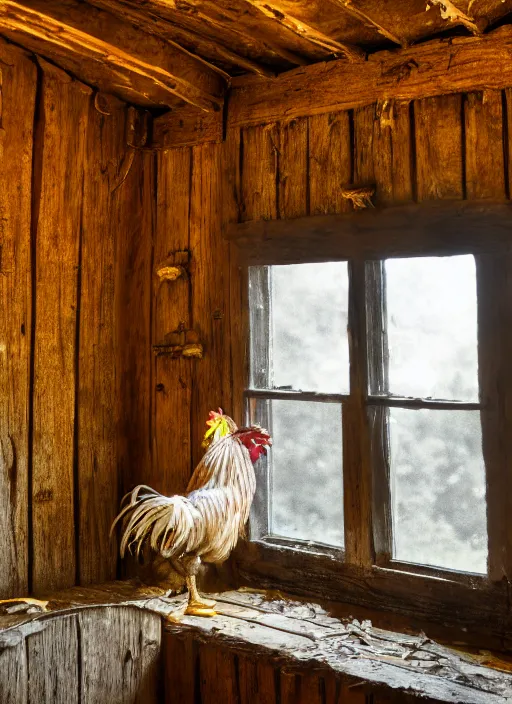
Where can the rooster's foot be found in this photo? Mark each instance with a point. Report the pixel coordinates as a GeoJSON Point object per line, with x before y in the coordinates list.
{"type": "Point", "coordinates": [201, 608]}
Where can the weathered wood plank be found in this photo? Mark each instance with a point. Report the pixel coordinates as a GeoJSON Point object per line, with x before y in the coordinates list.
{"type": "Point", "coordinates": [53, 663]}
{"type": "Point", "coordinates": [171, 307]}
{"type": "Point", "coordinates": [134, 204]}
{"type": "Point", "coordinates": [98, 398]}
{"type": "Point", "coordinates": [293, 169]}
{"type": "Point", "coordinates": [257, 681]}
{"type": "Point", "coordinates": [289, 683]}
{"type": "Point", "coordinates": [430, 69]}
{"type": "Point", "coordinates": [180, 663]}
{"type": "Point", "coordinates": [484, 145]}
{"type": "Point", "coordinates": [61, 152]}
{"type": "Point", "coordinates": [330, 162]}
{"type": "Point", "coordinates": [187, 126]}
{"type": "Point", "coordinates": [211, 387]}
{"type": "Point", "coordinates": [120, 656]}
{"type": "Point", "coordinates": [217, 675]}
{"type": "Point", "coordinates": [111, 54]}
{"type": "Point", "coordinates": [13, 673]}
{"type": "Point", "coordinates": [259, 172]}
{"type": "Point", "coordinates": [439, 153]}
{"type": "Point", "coordinates": [428, 228]}
{"type": "Point", "coordinates": [17, 95]}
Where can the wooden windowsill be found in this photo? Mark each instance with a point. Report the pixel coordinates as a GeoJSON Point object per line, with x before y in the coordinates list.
{"type": "Point", "coordinates": [300, 636]}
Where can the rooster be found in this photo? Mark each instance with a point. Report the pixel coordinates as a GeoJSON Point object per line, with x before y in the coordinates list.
{"type": "Point", "coordinates": [205, 524]}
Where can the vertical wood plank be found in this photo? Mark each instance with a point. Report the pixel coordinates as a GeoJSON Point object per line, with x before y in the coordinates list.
{"type": "Point", "coordinates": [64, 117]}
{"type": "Point", "coordinates": [484, 138]}
{"type": "Point", "coordinates": [257, 681]}
{"type": "Point", "coordinates": [439, 147]}
{"type": "Point", "coordinates": [13, 673]}
{"type": "Point", "coordinates": [171, 307]}
{"type": "Point", "coordinates": [382, 151]}
{"type": "Point", "coordinates": [310, 689]}
{"type": "Point", "coordinates": [180, 661]}
{"type": "Point", "coordinates": [259, 172]}
{"type": "Point", "coordinates": [290, 687]}
{"type": "Point", "coordinates": [293, 169]}
{"type": "Point", "coordinates": [120, 656]}
{"type": "Point", "coordinates": [97, 403]}
{"type": "Point", "coordinates": [53, 663]}
{"type": "Point", "coordinates": [135, 206]}
{"type": "Point", "coordinates": [330, 162]}
{"type": "Point", "coordinates": [18, 78]}
{"type": "Point", "coordinates": [210, 291]}
{"type": "Point", "coordinates": [494, 295]}
{"type": "Point", "coordinates": [218, 675]}
{"type": "Point", "coordinates": [332, 690]}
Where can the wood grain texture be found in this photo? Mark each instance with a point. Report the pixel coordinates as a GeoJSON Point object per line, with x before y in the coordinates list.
{"type": "Point", "coordinates": [439, 152]}
{"type": "Point", "coordinates": [330, 162]}
{"type": "Point", "coordinates": [111, 55]}
{"type": "Point", "coordinates": [64, 118]}
{"type": "Point", "coordinates": [14, 674]}
{"type": "Point", "coordinates": [17, 95]}
{"type": "Point", "coordinates": [210, 291]}
{"type": "Point", "coordinates": [259, 172]}
{"type": "Point", "coordinates": [257, 681]}
{"type": "Point", "coordinates": [54, 662]}
{"type": "Point", "coordinates": [180, 663]}
{"type": "Point", "coordinates": [134, 258]}
{"type": "Point", "coordinates": [433, 68]}
{"type": "Point", "coordinates": [120, 651]}
{"type": "Point", "coordinates": [217, 675]}
{"type": "Point", "coordinates": [293, 169]}
{"type": "Point", "coordinates": [484, 145]}
{"type": "Point", "coordinates": [98, 380]}
{"type": "Point", "coordinates": [186, 127]}
{"type": "Point", "coordinates": [171, 307]}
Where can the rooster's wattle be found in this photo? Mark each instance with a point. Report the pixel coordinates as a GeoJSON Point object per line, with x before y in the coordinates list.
{"type": "Point", "coordinates": [205, 524]}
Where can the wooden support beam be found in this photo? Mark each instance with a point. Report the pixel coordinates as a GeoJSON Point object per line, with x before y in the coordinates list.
{"type": "Point", "coordinates": [435, 227]}
{"type": "Point", "coordinates": [349, 7]}
{"type": "Point", "coordinates": [301, 29]}
{"type": "Point", "coordinates": [112, 55]}
{"type": "Point", "coordinates": [185, 127]}
{"type": "Point", "coordinates": [434, 68]}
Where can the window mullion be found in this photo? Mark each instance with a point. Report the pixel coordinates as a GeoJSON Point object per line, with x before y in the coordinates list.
{"type": "Point", "coordinates": [494, 286]}
{"type": "Point", "coordinates": [378, 373]}
{"type": "Point", "coordinates": [356, 433]}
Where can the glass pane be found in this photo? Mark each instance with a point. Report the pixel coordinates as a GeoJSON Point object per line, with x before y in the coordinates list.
{"type": "Point", "coordinates": [438, 488]}
{"type": "Point", "coordinates": [299, 316]}
{"type": "Point", "coordinates": [432, 327]}
{"type": "Point", "coordinates": [306, 476]}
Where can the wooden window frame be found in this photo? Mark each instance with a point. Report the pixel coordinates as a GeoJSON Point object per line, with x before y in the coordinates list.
{"type": "Point", "coordinates": [367, 575]}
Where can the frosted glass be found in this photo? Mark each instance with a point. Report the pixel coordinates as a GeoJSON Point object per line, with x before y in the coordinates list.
{"type": "Point", "coordinates": [438, 488]}
{"type": "Point", "coordinates": [306, 471]}
{"type": "Point", "coordinates": [307, 328]}
{"type": "Point", "coordinates": [432, 327]}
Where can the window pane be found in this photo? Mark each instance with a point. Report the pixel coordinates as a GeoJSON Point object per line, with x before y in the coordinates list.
{"type": "Point", "coordinates": [432, 327]}
{"type": "Point", "coordinates": [306, 472]}
{"type": "Point", "coordinates": [302, 316]}
{"type": "Point", "coordinates": [438, 488]}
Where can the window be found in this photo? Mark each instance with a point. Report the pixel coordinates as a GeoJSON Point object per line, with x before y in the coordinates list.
{"type": "Point", "coordinates": [402, 387]}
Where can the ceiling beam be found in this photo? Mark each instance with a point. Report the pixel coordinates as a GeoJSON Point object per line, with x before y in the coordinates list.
{"type": "Point", "coordinates": [349, 7]}
{"type": "Point", "coordinates": [112, 55]}
{"type": "Point", "coordinates": [280, 15]}
{"type": "Point", "coordinates": [151, 23]}
{"type": "Point", "coordinates": [451, 13]}
{"type": "Point", "coordinates": [433, 68]}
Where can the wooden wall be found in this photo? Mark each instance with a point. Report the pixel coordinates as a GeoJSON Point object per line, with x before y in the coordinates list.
{"type": "Point", "coordinates": [75, 248]}
{"type": "Point", "coordinates": [447, 147]}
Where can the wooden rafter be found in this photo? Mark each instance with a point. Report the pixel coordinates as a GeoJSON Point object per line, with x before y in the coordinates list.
{"type": "Point", "coordinates": [432, 68]}
{"type": "Point", "coordinates": [451, 13]}
{"type": "Point", "coordinates": [349, 6]}
{"type": "Point", "coordinates": [172, 33]}
{"type": "Point", "coordinates": [301, 29]}
{"type": "Point", "coordinates": [105, 52]}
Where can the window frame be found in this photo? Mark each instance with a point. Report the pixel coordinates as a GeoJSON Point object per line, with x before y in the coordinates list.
{"type": "Point", "coordinates": [427, 229]}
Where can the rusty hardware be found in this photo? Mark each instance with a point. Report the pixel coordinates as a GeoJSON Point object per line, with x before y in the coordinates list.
{"type": "Point", "coordinates": [173, 267]}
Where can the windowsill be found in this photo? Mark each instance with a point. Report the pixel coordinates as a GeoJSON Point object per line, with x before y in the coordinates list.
{"type": "Point", "coordinates": [299, 636]}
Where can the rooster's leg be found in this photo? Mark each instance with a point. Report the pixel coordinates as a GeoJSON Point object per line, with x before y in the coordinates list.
{"type": "Point", "coordinates": [198, 605]}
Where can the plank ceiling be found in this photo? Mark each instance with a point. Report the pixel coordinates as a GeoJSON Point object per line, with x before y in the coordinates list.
{"type": "Point", "coordinates": [163, 53]}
